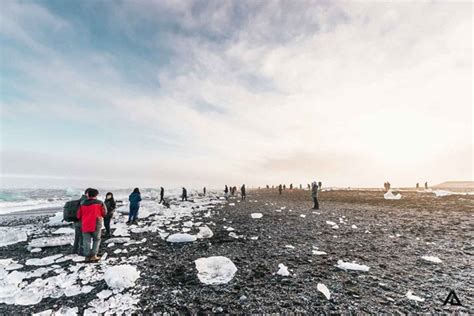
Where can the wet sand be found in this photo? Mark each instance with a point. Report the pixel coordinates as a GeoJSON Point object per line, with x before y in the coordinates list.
{"type": "Point", "coordinates": [390, 238]}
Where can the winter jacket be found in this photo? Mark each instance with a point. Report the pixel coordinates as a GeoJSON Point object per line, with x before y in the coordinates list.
{"type": "Point", "coordinates": [111, 205]}
{"type": "Point", "coordinates": [314, 191]}
{"type": "Point", "coordinates": [135, 199]}
{"type": "Point", "coordinates": [91, 211]}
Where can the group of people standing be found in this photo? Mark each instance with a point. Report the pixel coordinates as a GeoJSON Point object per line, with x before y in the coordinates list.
{"type": "Point", "coordinates": [91, 214]}
{"type": "Point", "coordinates": [233, 191]}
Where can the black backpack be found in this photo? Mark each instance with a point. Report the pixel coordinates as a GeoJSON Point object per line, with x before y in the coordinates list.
{"type": "Point", "coordinates": [70, 210]}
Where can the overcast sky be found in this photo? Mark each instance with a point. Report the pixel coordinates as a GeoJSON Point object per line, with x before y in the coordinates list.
{"type": "Point", "coordinates": [147, 93]}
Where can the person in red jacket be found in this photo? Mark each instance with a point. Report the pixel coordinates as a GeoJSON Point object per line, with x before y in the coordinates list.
{"type": "Point", "coordinates": [91, 212]}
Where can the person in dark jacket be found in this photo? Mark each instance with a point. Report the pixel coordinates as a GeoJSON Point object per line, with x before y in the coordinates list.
{"type": "Point", "coordinates": [314, 195]}
{"type": "Point", "coordinates": [204, 191]}
{"type": "Point", "coordinates": [77, 247]}
{"type": "Point", "coordinates": [242, 191]}
{"type": "Point", "coordinates": [134, 199]}
{"type": "Point", "coordinates": [162, 195]}
{"type": "Point", "coordinates": [111, 205]}
{"type": "Point", "coordinates": [90, 214]}
{"type": "Point", "coordinates": [280, 188]}
{"type": "Point", "coordinates": [226, 192]}
{"type": "Point", "coordinates": [184, 195]}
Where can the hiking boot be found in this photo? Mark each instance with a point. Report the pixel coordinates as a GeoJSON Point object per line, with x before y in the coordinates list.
{"type": "Point", "coordinates": [87, 259]}
{"type": "Point", "coordinates": [94, 259]}
{"type": "Point", "coordinates": [128, 222]}
{"type": "Point", "coordinates": [135, 222]}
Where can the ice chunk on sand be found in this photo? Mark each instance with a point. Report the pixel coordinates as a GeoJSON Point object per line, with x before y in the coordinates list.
{"type": "Point", "coordinates": [441, 193]}
{"type": "Point", "coordinates": [319, 253]}
{"type": "Point", "coordinates": [215, 270]}
{"type": "Point", "coordinates": [10, 236]}
{"type": "Point", "coordinates": [432, 259]}
{"type": "Point", "coordinates": [117, 240]}
{"type": "Point", "coordinates": [390, 196]}
{"type": "Point", "coordinates": [104, 294]}
{"type": "Point", "coordinates": [354, 227]}
{"type": "Point", "coordinates": [204, 232]}
{"type": "Point", "coordinates": [231, 204]}
{"type": "Point", "coordinates": [64, 230]}
{"type": "Point", "coordinates": [412, 297]}
{"type": "Point", "coordinates": [283, 270]}
{"type": "Point", "coordinates": [61, 240]}
{"type": "Point", "coordinates": [176, 238]}
{"type": "Point", "coordinates": [330, 223]}
{"type": "Point", "coordinates": [302, 216]}
{"type": "Point", "coordinates": [289, 246]}
{"type": "Point", "coordinates": [351, 266]}
{"type": "Point", "coordinates": [121, 277]}
{"type": "Point", "coordinates": [256, 215]}
{"type": "Point", "coordinates": [57, 220]}
{"type": "Point", "coordinates": [323, 289]}
{"type": "Point", "coordinates": [42, 261]}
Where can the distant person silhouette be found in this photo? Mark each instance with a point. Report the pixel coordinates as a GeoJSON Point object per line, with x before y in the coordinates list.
{"type": "Point", "coordinates": [280, 188]}
{"type": "Point", "coordinates": [314, 195]}
{"type": "Point", "coordinates": [184, 195]}
{"type": "Point", "coordinates": [291, 186]}
{"type": "Point", "coordinates": [284, 187]}
{"type": "Point", "coordinates": [226, 192]}
{"type": "Point", "coordinates": [426, 185]}
{"type": "Point", "coordinates": [417, 185]}
{"type": "Point", "coordinates": [242, 191]}
{"type": "Point", "coordinates": [204, 191]}
{"type": "Point", "coordinates": [134, 200]}
{"type": "Point", "coordinates": [162, 195]}
{"type": "Point", "coordinates": [320, 185]}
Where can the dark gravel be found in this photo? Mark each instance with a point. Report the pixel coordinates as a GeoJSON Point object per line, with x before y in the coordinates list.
{"type": "Point", "coordinates": [443, 227]}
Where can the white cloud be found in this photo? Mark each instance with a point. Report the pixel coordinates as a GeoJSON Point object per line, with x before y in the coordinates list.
{"type": "Point", "coordinates": [298, 91]}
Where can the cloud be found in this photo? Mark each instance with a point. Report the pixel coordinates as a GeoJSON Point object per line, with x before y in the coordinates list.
{"type": "Point", "coordinates": [255, 91]}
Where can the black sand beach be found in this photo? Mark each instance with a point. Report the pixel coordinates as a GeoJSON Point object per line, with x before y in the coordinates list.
{"type": "Point", "coordinates": [389, 236]}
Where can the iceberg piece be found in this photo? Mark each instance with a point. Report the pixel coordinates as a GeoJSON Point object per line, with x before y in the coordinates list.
{"type": "Point", "coordinates": [61, 240]}
{"type": "Point", "coordinates": [412, 297]}
{"type": "Point", "coordinates": [354, 227]}
{"type": "Point", "coordinates": [177, 238]}
{"type": "Point", "coordinates": [432, 259]}
{"type": "Point", "coordinates": [215, 270]}
{"type": "Point", "coordinates": [351, 266]}
{"type": "Point", "coordinates": [10, 236]}
{"type": "Point", "coordinates": [64, 230]}
{"type": "Point", "coordinates": [319, 253]}
{"type": "Point", "coordinates": [323, 289]}
{"type": "Point", "coordinates": [42, 261]}
{"type": "Point", "coordinates": [121, 277]}
{"type": "Point", "coordinates": [256, 215]}
{"type": "Point", "coordinates": [330, 223]}
{"type": "Point", "coordinates": [283, 270]}
{"type": "Point", "coordinates": [204, 232]}
{"type": "Point", "coordinates": [290, 246]}
{"type": "Point", "coordinates": [57, 220]}
{"type": "Point", "coordinates": [390, 196]}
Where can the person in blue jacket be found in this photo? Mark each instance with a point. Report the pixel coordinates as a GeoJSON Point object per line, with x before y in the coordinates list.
{"type": "Point", "coordinates": [134, 199]}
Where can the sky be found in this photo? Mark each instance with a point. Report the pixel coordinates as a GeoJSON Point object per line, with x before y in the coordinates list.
{"type": "Point", "coordinates": [207, 93]}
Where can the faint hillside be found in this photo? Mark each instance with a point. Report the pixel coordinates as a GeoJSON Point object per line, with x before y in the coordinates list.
{"type": "Point", "coordinates": [456, 185]}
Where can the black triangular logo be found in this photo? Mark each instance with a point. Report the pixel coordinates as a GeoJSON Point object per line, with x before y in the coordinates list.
{"type": "Point", "coordinates": [452, 299]}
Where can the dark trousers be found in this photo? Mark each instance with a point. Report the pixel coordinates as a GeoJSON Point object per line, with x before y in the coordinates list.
{"type": "Point", "coordinates": [244, 196]}
{"type": "Point", "coordinates": [107, 225]}
{"type": "Point", "coordinates": [133, 214]}
{"type": "Point", "coordinates": [161, 199]}
{"type": "Point", "coordinates": [78, 248]}
{"type": "Point", "coordinates": [184, 198]}
{"type": "Point", "coordinates": [316, 203]}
